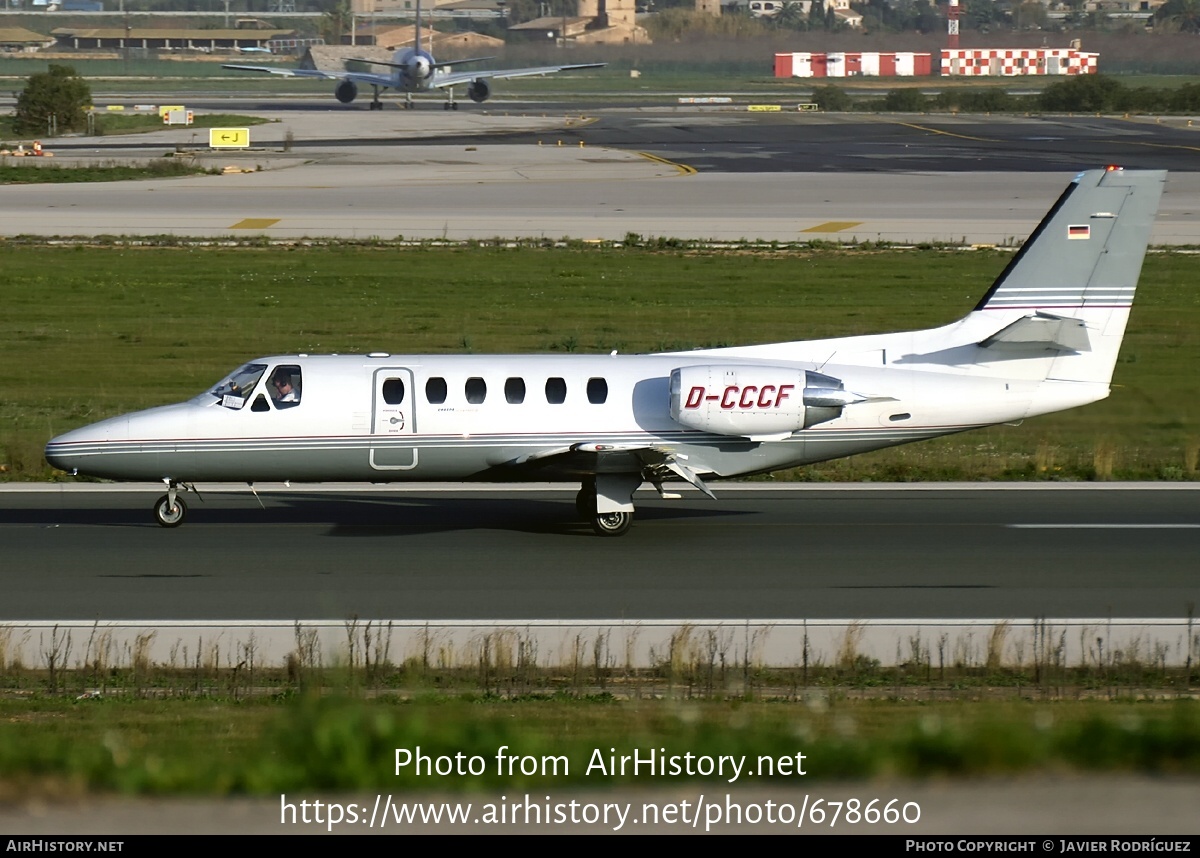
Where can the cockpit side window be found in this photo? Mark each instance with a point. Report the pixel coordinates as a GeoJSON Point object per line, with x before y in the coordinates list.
{"type": "Point", "coordinates": [234, 391]}
{"type": "Point", "coordinates": [285, 387]}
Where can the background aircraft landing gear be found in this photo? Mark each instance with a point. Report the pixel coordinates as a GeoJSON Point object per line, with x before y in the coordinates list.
{"type": "Point", "coordinates": [170, 513]}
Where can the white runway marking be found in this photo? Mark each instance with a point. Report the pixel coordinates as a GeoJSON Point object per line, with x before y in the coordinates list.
{"type": "Point", "coordinates": [1105, 526]}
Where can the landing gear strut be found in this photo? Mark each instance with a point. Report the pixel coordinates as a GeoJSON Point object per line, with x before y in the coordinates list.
{"type": "Point", "coordinates": [606, 502]}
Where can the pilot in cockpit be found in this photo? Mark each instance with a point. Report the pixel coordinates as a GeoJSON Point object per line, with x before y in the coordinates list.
{"type": "Point", "coordinates": [285, 394]}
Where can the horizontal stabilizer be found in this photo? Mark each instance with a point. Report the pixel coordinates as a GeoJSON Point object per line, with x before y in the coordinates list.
{"type": "Point", "coordinates": [442, 65]}
{"type": "Point", "coordinates": [1043, 331]}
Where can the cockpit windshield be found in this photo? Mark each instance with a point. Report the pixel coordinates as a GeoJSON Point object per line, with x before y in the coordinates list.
{"type": "Point", "coordinates": [233, 391]}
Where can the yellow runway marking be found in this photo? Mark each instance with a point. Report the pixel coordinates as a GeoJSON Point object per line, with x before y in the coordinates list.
{"type": "Point", "coordinates": [684, 169]}
{"type": "Point", "coordinates": [833, 226]}
{"type": "Point", "coordinates": [947, 133]}
{"type": "Point", "coordinates": [1166, 145]}
{"type": "Point", "coordinates": [256, 223]}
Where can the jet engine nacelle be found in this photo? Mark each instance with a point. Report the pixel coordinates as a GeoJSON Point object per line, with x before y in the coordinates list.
{"type": "Point", "coordinates": [346, 91]}
{"type": "Point", "coordinates": [478, 90]}
{"type": "Point", "coordinates": [754, 401]}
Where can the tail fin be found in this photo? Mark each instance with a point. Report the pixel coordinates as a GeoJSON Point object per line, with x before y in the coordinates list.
{"type": "Point", "coordinates": [1070, 287]}
{"type": "Point", "coordinates": [417, 32]}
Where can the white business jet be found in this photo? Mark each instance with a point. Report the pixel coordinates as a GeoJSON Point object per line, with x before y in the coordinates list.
{"type": "Point", "coordinates": [1044, 338]}
{"type": "Point", "coordinates": [415, 70]}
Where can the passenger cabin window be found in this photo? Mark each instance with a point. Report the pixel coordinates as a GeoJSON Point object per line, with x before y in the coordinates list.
{"type": "Point", "coordinates": [285, 386]}
{"type": "Point", "coordinates": [435, 391]}
{"type": "Point", "coordinates": [556, 391]}
{"type": "Point", "coordinates": [393, 391]}
{"type": "Point", "coordinates": [476, 390]}
{"type": "Point", "coordinates": [514, 391]}
{"type": "Point", "coordinates": [597, 391]}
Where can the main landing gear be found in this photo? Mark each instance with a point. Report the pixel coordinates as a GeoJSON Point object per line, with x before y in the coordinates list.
{"type": "Point", "coordinates": [606, 502]}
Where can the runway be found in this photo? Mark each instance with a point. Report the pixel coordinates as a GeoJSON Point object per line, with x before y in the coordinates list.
{"type": "Point", "coordinates": [514, 554]}
{"type": "Point", "coordinates": [818, 553]}
{"type": "Point", "coordinates": [653, 173]}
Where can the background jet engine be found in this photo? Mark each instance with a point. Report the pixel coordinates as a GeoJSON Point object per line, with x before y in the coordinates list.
{"type": "Point", "coordinates": [755, 401]}
{"type": "Point", "coordinates": [478, 90]}
{"type": "Point", "coordinates": [346, 91]}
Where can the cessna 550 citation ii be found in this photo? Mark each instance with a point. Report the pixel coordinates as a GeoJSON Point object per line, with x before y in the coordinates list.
{"type": "Point", "coordinates": [415, 70]}
{"type": "Point", "coordinates": [1044, 338]}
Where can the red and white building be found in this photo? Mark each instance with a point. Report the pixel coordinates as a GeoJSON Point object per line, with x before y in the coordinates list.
{"type": "Point", "coordinates": [1011, 62]}
{"type": "Point", "coordinates": [853, 64]}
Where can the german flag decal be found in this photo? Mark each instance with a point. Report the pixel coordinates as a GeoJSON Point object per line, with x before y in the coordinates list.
{"type": "Point", "coordinates": [1084, 231]}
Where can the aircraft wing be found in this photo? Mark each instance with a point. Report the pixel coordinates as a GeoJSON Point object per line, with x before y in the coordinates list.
{"type": "Point", "coordinates": [461, 77]}
{"type": "Point", "coordinates": [655, 462]}
{"type": "Point", "coordinates": [357, 77]}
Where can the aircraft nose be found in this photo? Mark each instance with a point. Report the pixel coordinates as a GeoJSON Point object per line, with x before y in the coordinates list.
{"type": "Point", "coordinates": [72, 450]}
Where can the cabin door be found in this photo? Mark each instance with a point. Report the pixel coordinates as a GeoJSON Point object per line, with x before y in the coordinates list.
{"type": "Point", "coordinates": [393, 420]}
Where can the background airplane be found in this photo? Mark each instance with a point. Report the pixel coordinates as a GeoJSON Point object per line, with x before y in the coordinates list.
{"type": "Point", "coordinates": [415, 70]}
{"type": "Point", "coordinates": [1044, 338]}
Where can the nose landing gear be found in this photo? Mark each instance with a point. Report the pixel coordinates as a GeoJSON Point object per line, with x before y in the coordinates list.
{"type": "Point", "coordinates": [170, 510]}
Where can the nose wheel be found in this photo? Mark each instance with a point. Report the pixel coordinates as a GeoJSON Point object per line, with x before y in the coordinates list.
{"type": "Point", "coordinates": [170, 512]}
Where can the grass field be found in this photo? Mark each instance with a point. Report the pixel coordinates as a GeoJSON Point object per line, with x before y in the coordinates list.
{"type": "Point", "coordinates": [91, 331]}
{"type": "Point", "coordinates": [54, 746]}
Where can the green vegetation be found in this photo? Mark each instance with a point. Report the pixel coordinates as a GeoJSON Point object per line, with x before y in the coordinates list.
{"type": "Point", "coordinates": [92, 331]}
{"type": "Point", "coordinates": [98, 714]}
{"type": "Point", "coordinates": [53, 102]}
{"type": "Point", "coordinates": [54, 746]}
{"type": "Point", "coordinates": [134, 123]}
{"type": "Point", "coordinates": [109, 123]}
{"type": "Point", "coordinates": [40, 171]}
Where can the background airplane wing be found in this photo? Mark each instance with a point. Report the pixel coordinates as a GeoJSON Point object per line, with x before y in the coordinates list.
{"type": "Point", "coordinates": [460, 77]}
{"type": "Point", "coordinates": [357, 77]}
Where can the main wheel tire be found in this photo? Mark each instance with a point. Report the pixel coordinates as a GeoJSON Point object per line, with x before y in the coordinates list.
{"type": "Point", "coordinates": [167, 515]}
{"type": "Point", "coordinates": [612, 523]}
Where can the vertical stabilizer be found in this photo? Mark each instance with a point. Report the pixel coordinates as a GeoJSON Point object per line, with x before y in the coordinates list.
{"type": "Point", "coordinates": [417, 32]}
{"type": "Point", "coordinates": [1071, 285]}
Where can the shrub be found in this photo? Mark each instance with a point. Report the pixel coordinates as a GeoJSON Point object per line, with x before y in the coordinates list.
{"type": "Point", "coordinates": [56, 98]}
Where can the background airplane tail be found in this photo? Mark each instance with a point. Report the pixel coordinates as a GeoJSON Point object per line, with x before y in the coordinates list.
{"type": "Point", "coordinates": [1067, 293]}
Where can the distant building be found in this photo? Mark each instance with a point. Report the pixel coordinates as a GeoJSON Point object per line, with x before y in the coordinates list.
{"type": "Point", "coordinates": [853, 64]}
{"type": "Point", "coordinates": [598, 22]}
{"type": "Point", "coordinates": [119, 38]}
{"type": "Point", "coordinates": [18, 39]}
{"type": "Point", "coordinates": [1013, 62]}
{"type": "Point", "coordinates": [840, 8]}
